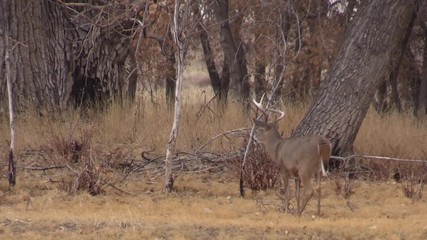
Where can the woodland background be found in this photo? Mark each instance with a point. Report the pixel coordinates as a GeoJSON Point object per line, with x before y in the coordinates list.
{"type": "Point", "coordinates": [93, 85]}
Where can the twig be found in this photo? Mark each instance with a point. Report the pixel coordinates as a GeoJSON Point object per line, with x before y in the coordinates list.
{"type": "Point", "coordinates": [220, 135]}
{"type": "Point", "coordinates": [117, 188]}
{"type": "Point", "coordinates": [44, 168]}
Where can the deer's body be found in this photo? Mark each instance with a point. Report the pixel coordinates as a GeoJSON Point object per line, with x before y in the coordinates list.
{"type": "Point", "coordinates": [302, 158]}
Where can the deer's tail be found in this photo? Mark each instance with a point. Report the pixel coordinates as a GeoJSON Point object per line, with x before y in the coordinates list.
{"type": "Point", "coordinates": [325, 152]}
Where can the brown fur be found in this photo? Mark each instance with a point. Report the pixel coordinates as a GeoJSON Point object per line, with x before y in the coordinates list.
{"type": "Point", "coordinates": [300, 158]}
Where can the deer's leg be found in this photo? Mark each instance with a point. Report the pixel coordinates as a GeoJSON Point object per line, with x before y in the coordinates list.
{"type": "Point", "coordinates": [285, 181]}
{"type": "Point", "coordinates": [308, 192]}
{"type": "Point", "coordinates": [298, 193]}
{"type": "Point", "coordinates": [318, 178]}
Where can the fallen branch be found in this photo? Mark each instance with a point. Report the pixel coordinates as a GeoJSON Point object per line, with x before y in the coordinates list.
{"type": "Point", "coordinates": [378, 158]}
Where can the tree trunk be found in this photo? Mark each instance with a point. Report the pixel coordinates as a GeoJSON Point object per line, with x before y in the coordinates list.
{"type": "Point", "coordinates": [381, 103]}
{"type": "Point", "coordinates": [260, 83]}
{"type": "Point", "coordinates": [11, 160]}
{"type": "Point", "coordinates": [219, 85]}
{"type": "Point", "coordinates": [343, 99]}
{"type": "Point", "coordinates": [66, 52]}
{"type": "Point", "coordinates": [234, 56]}
{"type": "Point", "coordinates": [182, 45]}
{"type": "Point", "coordinates": [422, 93]}
{"type": "Point", "coordinates": [395, 64]}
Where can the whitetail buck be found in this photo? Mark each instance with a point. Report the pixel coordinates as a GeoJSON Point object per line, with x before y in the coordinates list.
{"type": "Point", "coordinates": [301, 157]}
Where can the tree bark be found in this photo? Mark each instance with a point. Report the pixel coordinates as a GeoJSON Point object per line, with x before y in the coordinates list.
{"type": "Point", "coordinates": [11, 159]}
{"type": "Point", "coordinates": [176, 30]}
{"type": "Point", "coordinates": [422, 93]}
{"type": "Point", "coordinates": [219, 85]}
{"type": "Point", "coordinates": [343, 99]}
{"type": "Point", "coordinates": [66, 52]}
{"type": "Point", "coordinates": [260, 82]}
{"type": "Point", "coordinates": [234, 56]}
{"type": "Point", "coordinates": [381, 103]}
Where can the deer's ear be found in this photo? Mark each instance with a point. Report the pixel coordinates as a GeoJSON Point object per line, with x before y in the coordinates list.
{"type": "Point", "coordinates": [257, 122]}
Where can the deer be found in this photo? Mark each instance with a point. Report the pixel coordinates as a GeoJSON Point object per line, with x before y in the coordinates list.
{"type": "Point", "coordinates": [302, 158]}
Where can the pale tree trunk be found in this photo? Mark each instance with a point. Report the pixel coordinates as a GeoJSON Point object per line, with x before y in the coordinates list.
{"type": "Point", "coordinates": [11, 159]}
{"type": "Point", "coordinates": [343, 98]}
{"type": "Point", "coordinates": [181, 44]}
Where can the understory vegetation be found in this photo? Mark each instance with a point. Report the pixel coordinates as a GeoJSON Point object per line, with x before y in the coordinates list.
{"type": "Point", "coordinates": [77, 167]}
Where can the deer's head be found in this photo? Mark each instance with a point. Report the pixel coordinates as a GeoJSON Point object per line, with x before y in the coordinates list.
{"type": "Point", "coordinates": [265, 131]}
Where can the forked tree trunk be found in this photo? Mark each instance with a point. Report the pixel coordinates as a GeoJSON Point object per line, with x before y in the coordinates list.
{"type": "Point", "coordinates": [343, 98]}
{"type": "Point", "coordinates": [234, 67]}
{"type": "Point", "coordinates": [219, 84]}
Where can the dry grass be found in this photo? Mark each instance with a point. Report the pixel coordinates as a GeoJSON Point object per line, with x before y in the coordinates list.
{"type": "Point", "coordinates": [393, 135]}
{"type": "Point", "coordinates": [205, 205]}
{"type": "Point", "coordinates": [205, 210]}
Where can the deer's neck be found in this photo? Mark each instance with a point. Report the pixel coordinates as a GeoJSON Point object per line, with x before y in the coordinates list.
{"type": "Point", "coordinates": [272, 145]}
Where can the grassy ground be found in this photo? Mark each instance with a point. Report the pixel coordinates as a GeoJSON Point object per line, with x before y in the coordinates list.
{"type": "Point", "coordinates": [205, 203]}
{"type": "Point", "coordinates": [205, 206]}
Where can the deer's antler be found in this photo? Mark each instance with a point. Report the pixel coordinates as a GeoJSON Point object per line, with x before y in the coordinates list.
{"type": "Point", "coordinates": [265, 109]}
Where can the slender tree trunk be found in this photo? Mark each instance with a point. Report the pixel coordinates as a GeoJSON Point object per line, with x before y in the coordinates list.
{"type": "Point", "coordinates": [176, 30]}
{"type": "Point", "coordinates": [415, 82]}
{"type": "Point", "coordinates": [422, 93]}
{"type": "Point", "coordinates": [282, 40]}
{"type": "Point", "coordinates": [343, 99]}
{"type": "Point", "coordinates": [381, 105]}
{"type": "Point", "coordinates": [395, 63]}
{"type": "Point", "coordinates": [260, 82]}
{"type": "Point", "coordinates": [170, 89]}
{"type": "Point", "coordinates": [219, 85]}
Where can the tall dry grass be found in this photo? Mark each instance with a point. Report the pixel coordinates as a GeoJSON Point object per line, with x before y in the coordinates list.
{"type": "Point", "coordinates": [393, 134]}
{"type": "Point", "coordinates": [146, 125]}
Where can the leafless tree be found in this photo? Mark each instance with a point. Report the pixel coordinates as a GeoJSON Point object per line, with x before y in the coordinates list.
{"type": "Point", "coordinates": [180, 30]}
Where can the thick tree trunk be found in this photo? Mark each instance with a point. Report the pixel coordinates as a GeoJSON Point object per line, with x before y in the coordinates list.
{"type": "Point", "coordinates": [343, 99]}
{"type": "Point", "coordinates": [65, 52]}
{"type": "Point", "coordinates": [40, 55]}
